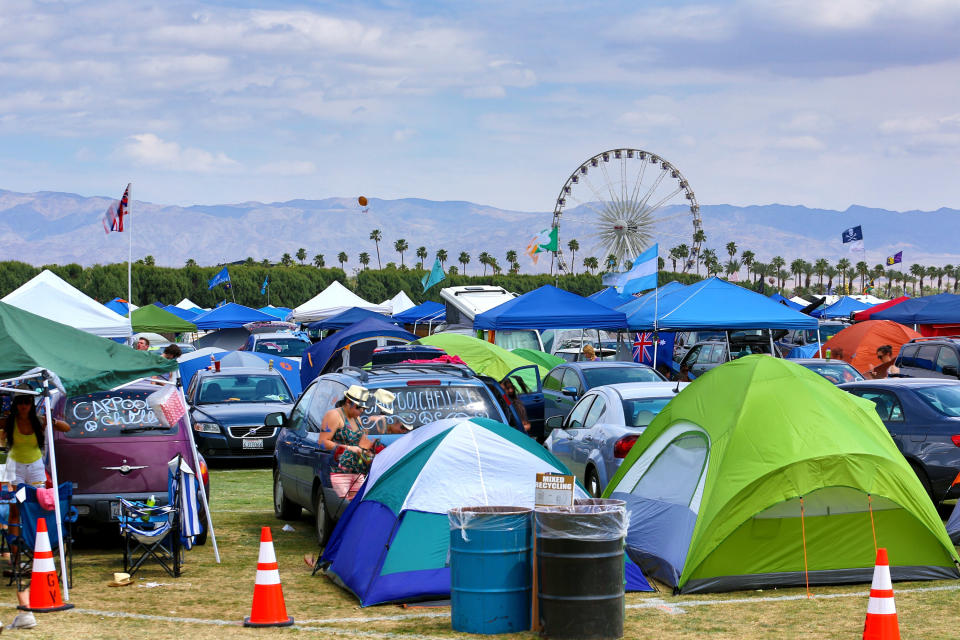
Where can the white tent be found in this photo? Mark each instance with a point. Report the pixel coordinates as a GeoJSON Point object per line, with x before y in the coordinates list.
{"type": "Point", "coordinates": [53, 298]}
{"type": "Point", "coordinates": [187, 304]}
{"type": "Point", "coordinates": [331, 301]}
{"type": "Point", "coordinates": [398, 303]}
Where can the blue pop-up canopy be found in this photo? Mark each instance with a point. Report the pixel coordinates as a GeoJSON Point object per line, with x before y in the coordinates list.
{"type": "Point", "coordinates": [280, 313]}
{"type": "Point", "coordinates": [717, 304]}
{"type": "Point", "coordinates": [230, 316]}
{"type": "Point", "coordinates": [117, 305]}
{"type": "Point", "coordinates": [427, 312]}
{"type": "Point", "coordinates": [183, 314]}
{"type": "Point", "coordinates": [315, 358]}
{"type": "Point", "coordinates": [610, 298]}
{"type": "Point", "coordinates": [943, 308]}
{"type": "Point", "coordinates": [842, 308]}
{"type": "Point", "coordinates": [345, 319]}
{"type": "Point", "coordinates": [650, 299]}
{"type": "Point", "coordinates": [787, 301]}
{"type": "Point", "coordinates": [550, 308]}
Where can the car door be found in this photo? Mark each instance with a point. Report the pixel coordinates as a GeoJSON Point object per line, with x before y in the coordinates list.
{"type": "Point", "coordinates": [585, 440]}
{"type": "Point", "coordinates": [309, 454]}
{"type": "Point", "coordinates": [705, 361]}
{"type": "Point", "coordinates": [526, 380]}
{"type": "Point", "coordinates": [925, 362]}
{"type": "Point", "coordinates": [948, 365]}
{"type": "Point", "coordinates": [569, 383]}
{"type": "Point", "coordinates": [890, 410]}
{"type": "Point", "coordinates": [552, 394]}
{"type": "Point", "coordinates": [290, 461]}
{"type": "Point", "coordinates": [564, 439]}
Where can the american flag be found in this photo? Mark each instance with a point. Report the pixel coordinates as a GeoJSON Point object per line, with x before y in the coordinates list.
{"type": "Point", "coordinates": [113, 218]}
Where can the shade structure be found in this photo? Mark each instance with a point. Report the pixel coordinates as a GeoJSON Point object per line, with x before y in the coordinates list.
{"type": "Point", "coordinates": [550, 308]}
{"type": "Point", "coordinates": [398, 303]}
{"type": "Point", "coordinates": [776, 297]}
{"type": "Point", "coordinates": [153, 318]}
{"type": "Point", "coordinates": [714, 487]}
{"type": "Point", "coordinates": [867, 314]}
{"type": "Point", "coordinates": [345, 319]}
{"type": "Point", "coordinates": [484, 357]}
{"type": "Point", "coordinates": [425, 313]}
{"type": "Point", "coordinates": [184, 314]}
{"type": "Point", "coordinates": [187, 303]}
{"type": "Point", "coordinates": [943, 308]}
{"type": "Point", "coordinates": [842, 308]}
{"type": "Point", "coordinates": [119, 306]}
{"type": "Point", "coordinates": [50, 296]}
{"type": "Point", "coordinates": [635, 308]}
{"type": "Point", "coordinates": [230, 316]}
{"type": "Point", "coordinates": [610, 298]}
{"type": "Point", "coordinates": [857, 344]}
{"type": "Point", "coordinates": [331, 301]}
{"type": "Point", "coordinates": [280, 313]}
{"type": "Point", "coordinates": [352, 346]}
{"type": "Point", "coordinates": [716, 304]}
{"type": "Point", "coordinates": [84, 362]}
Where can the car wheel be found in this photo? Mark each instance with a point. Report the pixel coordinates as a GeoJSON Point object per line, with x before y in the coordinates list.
{"type": "Point", "coordinates": [924, 480]}
{"type": "Point", "coordinates": [592, 483]}
{"type": "Point", "coordinates": [283, 508]}
{"type": "Point", "coordinates": [321, 518]}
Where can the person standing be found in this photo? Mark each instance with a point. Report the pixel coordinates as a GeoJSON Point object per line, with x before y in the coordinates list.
{"type": "Point", "coordinates": [142, 344]}
{"type": "Point", "coordinates": [589, 353]}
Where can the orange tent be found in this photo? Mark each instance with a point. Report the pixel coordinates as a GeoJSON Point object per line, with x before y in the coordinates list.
{"type": "Point", "coordinates": [857, 344]}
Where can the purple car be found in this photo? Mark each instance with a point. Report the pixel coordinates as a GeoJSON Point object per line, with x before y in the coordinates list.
{"type": "Point", "coordinates": [117, 447]}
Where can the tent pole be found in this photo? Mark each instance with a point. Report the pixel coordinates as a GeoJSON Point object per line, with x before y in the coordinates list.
{"type": "Point", "coordinates": [772, 349]}
{"type": "Point", "coordinates": [56, 485]}
{"type": "Point", "coordinates": [656, 334]}
{"type": "Point", "coordinates": [129, 259]}
{"type": "Point", "coordinates": [726, 334]}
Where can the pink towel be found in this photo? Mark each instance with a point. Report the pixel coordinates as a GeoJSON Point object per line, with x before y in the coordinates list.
{"type": "Point", "coordinates": [444, 359]}
{"type": "Point", "coordinates": [46, 497]}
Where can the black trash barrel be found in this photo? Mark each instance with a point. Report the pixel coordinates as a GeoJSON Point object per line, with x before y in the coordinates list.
{"type": "Point", "coordinates": [580, 569]}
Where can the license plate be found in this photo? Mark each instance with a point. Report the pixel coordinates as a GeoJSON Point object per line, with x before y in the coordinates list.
{"type": "Point", "coordinates": [114, 510]}
{"type": "Point", "coordinates": [253, 443]}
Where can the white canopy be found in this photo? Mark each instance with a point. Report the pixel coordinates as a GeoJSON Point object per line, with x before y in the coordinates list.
{"type": "Point", "coordinates": [50, 296]}
{"type": "Point", "coordinates": [187, 304]}
{"type": "Point", "coordinates": [331, 301]}
{"type": "Point", "coordinates": [398, 303]}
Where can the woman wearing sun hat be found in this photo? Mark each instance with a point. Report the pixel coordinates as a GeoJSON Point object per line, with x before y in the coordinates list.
{"type": "Point", "coordinates": [341, 428]}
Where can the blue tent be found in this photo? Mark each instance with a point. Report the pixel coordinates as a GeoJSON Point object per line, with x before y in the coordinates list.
{"type": "Point", "coordinates": [804, 351]}
{"type": "Point", "coordinates": [117, 305]}
{"type": "Point", "coordinates": [718, 305]}
{"type": "Point", "coordinates": [184, 314]}
{"type": "Point", "coordinates": [842, 308]}
{"type": "Point", "coordinates": [344, 319]}
{"type": "Point", "coordinates": [230, 316]}
{"type": "Point", "coordinates": [637, 305]}
{"type": "Point", "coordinates": [352, 346]}
{"type": "Point", "coordinates": [279, 313]}
{"type": "Point", "coordinates": [788, 302]}
{"type": "Point", "coordinates": [943, 308]}
{"type": "Point", "coordinates": [550, 308]}
{"type": "Point", "coordinates": [427, 312]}
{"type": "Point", "coordinates": [610, 298]}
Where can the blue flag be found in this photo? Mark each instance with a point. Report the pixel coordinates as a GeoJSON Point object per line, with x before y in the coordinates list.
{"type": "Point", "coordinates": [642, 275]}
{"type": "Point", "coordinates": [435, 276]}
{"type": "Point", "coordinates": [263, 289]}
{"type": "Point", "coordinates": [221, 277]}
{"type": "Point", "coordinates": [852, 234]}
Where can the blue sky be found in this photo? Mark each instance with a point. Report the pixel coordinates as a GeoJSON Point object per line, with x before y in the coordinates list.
{"type": "Point", "coordinates": [824, 103]}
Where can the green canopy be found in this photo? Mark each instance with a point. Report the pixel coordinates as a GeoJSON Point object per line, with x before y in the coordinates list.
{"type": "Point", "coordinates": [715, 486]}
{"type": "Point", "coordinates": [153, 318]}
{"type": "Point", "coordinates": [484, 357]}
{"type": "Point", "coordinates": [83, 361]}
{"type": "Point", "coordinates": [546, 360]}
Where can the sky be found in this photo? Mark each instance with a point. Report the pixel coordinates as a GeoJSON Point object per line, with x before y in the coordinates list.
{"type": "Point", "coordinates": [824, 103]}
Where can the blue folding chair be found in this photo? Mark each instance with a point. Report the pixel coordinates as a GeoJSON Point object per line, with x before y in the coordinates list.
{"type": "Point", "coordinates": [31, 512]}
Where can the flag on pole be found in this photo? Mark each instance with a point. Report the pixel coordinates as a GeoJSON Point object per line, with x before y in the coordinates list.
{"type": "Point", "coordinates": [643, 348]}
{"type": "Point", "coordinates": [543, 242]}
{"type": "Point", "coordinates": [113, 218]}
{"type": "Point", "coordinates": [896, 258]}
{"type": "Point", "coordinates": [436, 275]}
{"type": "Point", "coordinates": [222, 276]}
{"type": "Point", "coordinates": [642, 275]}
{"type": "Point", "coordinates": [266, 283]}
{"type": "Point", "coordinates": [854, 237]}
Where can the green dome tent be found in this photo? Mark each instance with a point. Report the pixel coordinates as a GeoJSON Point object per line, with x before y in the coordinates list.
{"type": "Point", "coordinates": [716, 484]}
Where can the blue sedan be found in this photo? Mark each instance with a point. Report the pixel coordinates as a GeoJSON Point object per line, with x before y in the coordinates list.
{"type": "Point", "coordinates": [567, 382]}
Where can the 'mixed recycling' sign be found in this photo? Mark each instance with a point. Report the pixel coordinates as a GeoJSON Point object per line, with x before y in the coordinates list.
{"type": "Point", "coordinates": [554, 490]}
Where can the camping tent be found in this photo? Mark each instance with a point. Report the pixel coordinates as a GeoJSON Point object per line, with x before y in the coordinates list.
{"type": "Point", "coordinates": [53, 298]}
{"type": "Point", "coordinates": [153, 318]}
{"type": "Point", "coordinates": [352, 346]}
{"type": "Point", "coordinates": [398, 303]}
{"type": "Point", "coordinates": [550, 308]}
{"type": "Point", "coordinates": [842, 308]}
{"type": "Point", "coordinates": [776, 297]}
{"type": "Point", "coordinates": [941, 310]}
{"type": "Point", "coordinates": [719, 305]}
{"type": "Point", "coordinates": [483, 357]}
{"type": "Point", "coordinates": [867, 314]}
{"type": "Point", "coordinates": [425, 313]}
{"type": "Point", "coordinates": [345, 319]}
{"type": "Point", "coordinates": [230, 316]}
{"type": "Point", "coordinates": [331, 301]}
{"type": "Point", "coordinates": [546, 360]}
{"type": "Point", "coordinates": [857, 344]}
{"type": "Point", "coordinates": [401, 510]}
{"type": "Point", "coordinates": [953, 525]}
{"type": "Point", "coordinates": [715, 487]}
{"type": "Point", "coordinates": [610, 298]}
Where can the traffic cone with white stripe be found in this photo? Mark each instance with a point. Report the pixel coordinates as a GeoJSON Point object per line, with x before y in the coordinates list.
{"type": "Point", "coordinates": [881, 623]}
{"type": "Point", "coordinates": [268, 608]}
{"type": "Point", "coordinates": [44, 584]}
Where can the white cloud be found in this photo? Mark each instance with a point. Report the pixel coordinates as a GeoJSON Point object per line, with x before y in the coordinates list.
{"type": "Point", "coordinates": [147, 149]}
{"type": "Point", "coordinates": [799, 143]}
{"type": "Point", "coordinates": [402, 135]}
{"type": "Point", "coordinates": [648, 120]}
{"type": "Point", "coordinates": [692, 23]}
{"type": "Point", "coordinates": [288, 168]}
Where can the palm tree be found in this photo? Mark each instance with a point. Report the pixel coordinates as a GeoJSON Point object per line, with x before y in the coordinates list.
{"type": "Point", "coordinates": [820, 267]}
{"type": "Point", "coordinates": [710, 260]}
{"type": "Point", "coordinates": [265, 262]}
{"type": "Point", "coordinates": [699, 237]}
{"type": "Point", "coordinates": [683, 252]}
{"type": "Point", "coordinates": [364, 258]}
{"type": "Point", "coordinates": [731, 249]}
{"type": "Point", "coordinates": [318, 261]}
{"type": "Point", "coordinates": [484, 259]}
{"type": "Point", "coordinates": [948, 272]}
{"type": "Point", "coordinates": [422, 254]}
{"type": "Point", "coordinates": [759, 271]}
{"type": "Point", "coordinates": [511, 257]}
{"type": "Point", "coordinates": [795, 268]}
{"type": "Point", "coordinates": [731, 267]}
{"type": "Point", "coordinates": [842, 265]}
{"type": "Point", "coordinates": [918, 272]}
{"type": "Point", "coordinates": [342, 258]}
{"type": "Point", "coordinates": [149, 261]}
{"type": "Point", "coordinates": [400, 246]}
{"type": "Point", "coordinates": [574, 246]}
{"type": "Point", "coordinates": [932, 273]}
{"type": "Point", "coordinates": [748, 258]}
{"type": "Point", "coordinates": [778, 263]}
{"type": "Point", "coordinates": [862, 270]}
{"type": "Point", "coordinates": [376, 236]}
{"type": "Point", "coordinates": [301, 254]}
{"type": "Point", "coordinates": [191, 262]}
{"type": "Point", "coordinates": [591, 263]}
{"type": "Point", "coordinates": [674, 257]}
{"type": "Point", "coordinates": [442, 256]}
{"type": "Point", "coordinates": [286, 260]}
{"type": "Point", "coordinates": [611, 262]}
{"type": "Point", "coordinates": [494, 265]}
{"type": "Point", "coordinates": [464, 259]}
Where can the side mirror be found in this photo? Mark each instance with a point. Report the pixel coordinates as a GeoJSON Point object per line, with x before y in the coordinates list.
{"type": "Point", "coordinates": [553, 422]}
{"type": "Point", "coordinates": [950, 370]}
{"type": "Point", "coordinates": [573, 392]}
{"type": "Point", "coordinates": [276, 419]}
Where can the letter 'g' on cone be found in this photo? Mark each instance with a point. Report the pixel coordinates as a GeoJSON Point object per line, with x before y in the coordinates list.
{"type": "Point", "coordinates": [44, 584]}
{"type": "Point", "coordinates": [881, 623]}
{"type": "Point", "coordinates": [268, 608]}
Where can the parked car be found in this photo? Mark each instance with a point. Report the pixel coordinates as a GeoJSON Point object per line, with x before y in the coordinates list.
{"type": "Point", "coordinates": [704, 356]}
{"type": "Point", "coordinates": [567, 382]}
{"type": "Point", "coordinates": [116, 447]}
{"type": "Point", "coordinates": [802, 337]}
{"type": "Point", "coordinates": [685, 340]}
{"type": "Point", "coordinates": [228, 408]}
{"type": "Point", "coordinates": [923, 416]}
{"type": "Point", "coordinates": [930, 358]}
{"type": "Point", "coordinates": [423, 394]}
{"type": "Point", "coordinates": [602, 427]}
{"type": "Point", "coordinates": [284, 344]}
{"type": "Point", "coordinates": [836, 371]}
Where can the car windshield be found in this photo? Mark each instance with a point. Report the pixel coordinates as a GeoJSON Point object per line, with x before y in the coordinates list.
{"type": "Point", "coordinates": [639, 412]}
{"type": "Point", "coordinates": [110, 414]}
{"type": "Point", "coordinates": [415, 406]}
{"type": "Point", "coordinates": [596, 376]}
{"type": "Point", "coordinates": [284, 347]}
{"type": "Point", "coordinates": [945, 399]}
{"type": "Point", "coordinates": [243, 388]}
{"type": "Point", "coordinates": [835, 372]}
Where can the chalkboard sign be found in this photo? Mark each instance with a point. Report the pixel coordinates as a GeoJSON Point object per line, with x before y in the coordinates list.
{"type": "Point", "coordinates": [112, 414]}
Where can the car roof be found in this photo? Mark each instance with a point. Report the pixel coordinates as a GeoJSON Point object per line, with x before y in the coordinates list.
{"type": "Point", "coordinates": [818, 361]}
{"type": "Point", "coordinates": [597, 364]}
{"type": "Point", "coordinates": [631, 390]}
{"type": "Point", "coordinates": [909, 383]}
{"type": "Point", "coordinates": [278, 334]}
{"type": "Point", "coordinates": [239, 371]}
{"type": "Point", "coordinates": [382, 375]}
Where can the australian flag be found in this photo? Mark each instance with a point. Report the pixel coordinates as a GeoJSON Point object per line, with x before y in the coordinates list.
{"type": "Point", "coordinates": [643, 348]}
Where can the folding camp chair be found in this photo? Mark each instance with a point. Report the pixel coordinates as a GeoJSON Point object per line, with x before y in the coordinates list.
{"type": "Point", "coordinates": [31, 511]}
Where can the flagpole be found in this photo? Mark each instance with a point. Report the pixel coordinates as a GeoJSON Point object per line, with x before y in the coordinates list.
{"type": "Point", "coordinates": [129, 257]}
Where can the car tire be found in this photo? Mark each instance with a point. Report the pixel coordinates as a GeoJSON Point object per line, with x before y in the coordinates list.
{"type": "Point", "coordinates": [283, 508]}
{"type": "Point", "coordinates": [592, 483]}
{"type": "Point", "coordinates": [321, 518]}
{"type": "Point", "coordinates": [924, 480]}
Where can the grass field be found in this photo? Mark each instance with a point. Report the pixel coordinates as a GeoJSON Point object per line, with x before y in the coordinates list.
{"type": "Point", "coordinates": [210, 600]}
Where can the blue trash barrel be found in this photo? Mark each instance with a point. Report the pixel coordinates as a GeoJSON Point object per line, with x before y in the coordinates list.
{"type": "Point", "coordinates": [490, 569]}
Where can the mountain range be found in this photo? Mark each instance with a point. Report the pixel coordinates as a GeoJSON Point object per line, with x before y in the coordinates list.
{"type": "Point", "coordinates": [58, 228]}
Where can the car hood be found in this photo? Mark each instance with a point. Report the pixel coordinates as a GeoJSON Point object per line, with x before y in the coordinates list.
{"type": "Point", "coordinates": [238, 413]}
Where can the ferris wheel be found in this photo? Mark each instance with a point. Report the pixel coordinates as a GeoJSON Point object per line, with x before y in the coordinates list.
{"type": "Point", "coordinates": [629, 199]}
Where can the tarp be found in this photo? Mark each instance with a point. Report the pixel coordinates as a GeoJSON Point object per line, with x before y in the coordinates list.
{"type": "Point", "coordinates": [280, 313]}
{"type": "Point", "coordinates": [943, 308]}
{"type": "Point", "coordinates": [230, 316]}
{"type": "Point", "coordinates": [424, 313]}
{"type": "Point", "coordinates": [153, 318]}
{"type": "Point", "coordinates": [51, 297]}
{"type": "Point", "coordinates": [545, 360]}
{"type": "Point", "coordinates": [867, 314]}
{"type": "Point", "coordinates": [716, 304]}
{"type": "Point", "coordinates": [857, 344]}
{"type": "Point", "coordinates": [401, 510]}
{"type": "Point", "coordinates": [776, 297]}
{"type": "Point", "coordinates": [714, 484]}
{"type": "Point", "coordinates": [842, 308]}
{"type": "Point", "coordinates": [321, 354]}
{"type": "Point", "coordinates": [610, 298]}
{"type": "Point", "coordinates": [345, 319]}
{"type": "Point", "coordinates": [398, 303]}
{"type": "Point", "coordinates": [483, 357]}
{"type": "Point", "coordinates": [550, 308]}
{"type": "Point", "coordinates": [331, 301]}
{"type": "Point", "coordinates": [289, 369]}
{"type": "Point", "coordinates": [229, 339]}
{"type": "Point", "coordinates": [85, 363]}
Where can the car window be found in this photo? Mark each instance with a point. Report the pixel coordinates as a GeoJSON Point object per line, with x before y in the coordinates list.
{"type": "Point", "coordinates": [908, 357]}
{"type": "Point", "coordinates": [299, 412]}
{"type": "Point", "coordinates": [947, 358]}
{"type": "Point", "coordinates": [598, 376]}
{"type": "Point", "coordinates": [640, 412]}
{"type": "Point", "coordinates": [693, 355]}
{"type": "Point", "coordinates": [945, 399]}
{"type": "Point", "coordinates": [827, 331]}
{"type": "Point", "coordinates": [835, 372]}
{"type": "Point", "coordinates": [926, 356]}
{"type": "Point", "coordinates": [415, 406]}
{"type": "Point", "coordinates": [283, 347]}
{"type": "Point", "coordinates": [718, 353]}
{"type": "Point", "coordinates": [111, 414]}
{"type": "Point", "coordinates": [327, 394]}
{"type": "Point", "coordinates": [578, 415]}
{"type": "Point", "coordinates": [887, 404]}
{"type": "Point", "coordinates": [571, 379]}
{"type": "Point", "coordinates": [243, 388]}
{"type": "Point", "coordinates": [552, 381]}
{"type": "Point", "coordinates": [595, 413]}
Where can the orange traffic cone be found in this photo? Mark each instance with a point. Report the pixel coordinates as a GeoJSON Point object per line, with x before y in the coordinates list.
{"type": "Point", "coordinates": [881, 621]}
{"type": "Point", "coordinates": [44, 584]}
{"type": "Point", "coordinates": [268, 607]}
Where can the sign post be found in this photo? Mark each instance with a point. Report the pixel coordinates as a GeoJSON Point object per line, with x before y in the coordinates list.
{"type": "Point", "coordinates": [552, 490]}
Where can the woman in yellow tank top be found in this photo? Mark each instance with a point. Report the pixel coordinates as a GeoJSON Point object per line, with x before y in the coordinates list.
{"type": "Point", "coordinates": [24, 435]}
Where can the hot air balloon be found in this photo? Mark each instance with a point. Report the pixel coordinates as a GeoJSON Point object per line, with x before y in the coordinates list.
{"type": "Point", "coordinates": [362, 200]}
